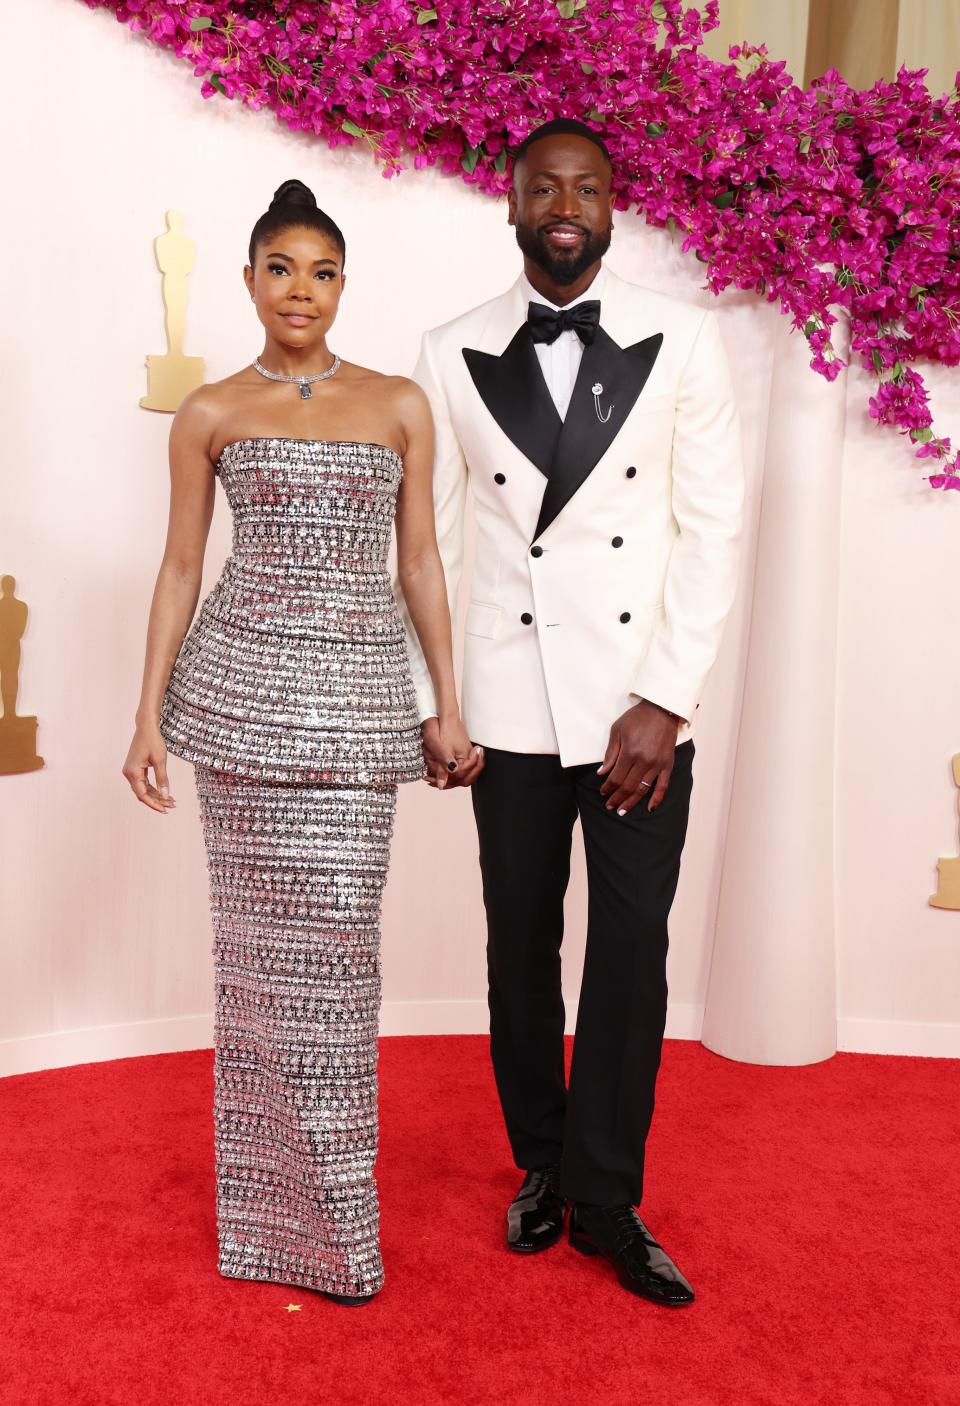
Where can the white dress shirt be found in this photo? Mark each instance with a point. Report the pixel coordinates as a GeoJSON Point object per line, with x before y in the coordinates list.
{"type": "Point", "coordinates": [560, 360]}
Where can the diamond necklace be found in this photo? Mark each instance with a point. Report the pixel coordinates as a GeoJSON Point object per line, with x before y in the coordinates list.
{"type": "Point", "coordinates": [304, 382]}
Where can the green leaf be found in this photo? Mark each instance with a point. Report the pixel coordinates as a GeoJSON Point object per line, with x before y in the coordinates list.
{"type": "Point", "coordinates": [877, 361]}
{"type": "Point", "coordinates": [658, 11]}
{"type": "Point", "coordinates": [594, 115]}
{"type": "Point", "coordinates": [217, 82]}
{"type": "Point", "coordinates": [500, 164]}
{"type": "Point", "coordinates": [727, 198]}
{"type": "Point", "coordinates": [898, 372]}
{"type": "Point", "coordinates": [203, 22]}
{"type": "Point", "coordinates": [923, 436]}
{"type": "Point", "coordinates": [916, 290]}
{"type": "Point", "coordinates": [425, 16]}
{"type": "Point", "coordinates": [655, 129]}
{"type": "Point", "coordinates": [351, 128]}
{"type": "Point", "coordinates": [471, 155]}
{"type": "Point", "coordinates": [809, 327]}
{"type": "Point", "coordinates": [587, 67]}
{"type": "Point", "coordinates": [567, 9]}
{"type": "Point", "coordinates": [672, 226]}
{"type": "Point", "coordinates": [804, 146]}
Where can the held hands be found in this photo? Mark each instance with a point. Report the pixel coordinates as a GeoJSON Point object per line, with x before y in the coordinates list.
{"type": "Point", "coordinates": [639, 757]}
{"type": "Point", "coordinates": [451, 758]}
{"type": "Point", "coordinates": [147, 750]}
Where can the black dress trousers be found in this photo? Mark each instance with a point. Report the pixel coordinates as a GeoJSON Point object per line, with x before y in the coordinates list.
{"type": "Point", "coordinates": [526, 806]}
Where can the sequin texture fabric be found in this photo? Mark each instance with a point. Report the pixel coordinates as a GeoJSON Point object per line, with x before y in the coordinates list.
{"type": "Point", "coordinates": [296, 878]}
{"type": "Point", "coordinates": [292, 697]}
{"type": "Point", "coordinates": [296, 668]}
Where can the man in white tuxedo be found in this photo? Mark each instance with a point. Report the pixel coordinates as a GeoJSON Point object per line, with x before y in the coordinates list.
{"type": "Point", "coordinates": [595, 421]}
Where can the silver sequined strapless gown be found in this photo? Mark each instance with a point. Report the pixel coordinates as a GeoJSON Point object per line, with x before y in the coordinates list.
{"type": "Point", "coordinates": [292, 697]}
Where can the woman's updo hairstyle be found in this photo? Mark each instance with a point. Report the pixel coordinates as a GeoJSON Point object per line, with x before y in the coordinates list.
{"type": "Point", "coordinates": [293, 204]}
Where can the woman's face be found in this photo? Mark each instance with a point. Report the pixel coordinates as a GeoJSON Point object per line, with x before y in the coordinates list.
{"type": "Point", "coordinates": [296, 282]}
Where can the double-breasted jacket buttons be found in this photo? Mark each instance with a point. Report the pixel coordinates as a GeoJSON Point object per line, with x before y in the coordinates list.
{"type": "Point", "coordinates": [625, 618]}
{"type": "Point", "coordinates": [617, 542]}
{"type": "Point", "coordinates": [500, 478]}
{"type": "Point", "coordinates": [526, 618]}
{"type": "Point", "coordinates": [631, 472]}
{"type": "Point", "coordinates": [536, 551]}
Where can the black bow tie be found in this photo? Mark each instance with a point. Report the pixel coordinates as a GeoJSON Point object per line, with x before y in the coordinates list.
{"type": "Point", "coordinates": [546, 324]}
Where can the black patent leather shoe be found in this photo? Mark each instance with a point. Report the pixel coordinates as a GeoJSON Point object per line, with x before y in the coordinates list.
{"type": "Point", "coordinates": [349, 1300]}
{"type": "Point", "coordinates": [537, 1212]}
{"type": "Point", "coordinates": [642, 1266]}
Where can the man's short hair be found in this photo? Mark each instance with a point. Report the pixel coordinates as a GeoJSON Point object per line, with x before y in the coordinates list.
{"type": "Point", "coordinates": [561, 126]}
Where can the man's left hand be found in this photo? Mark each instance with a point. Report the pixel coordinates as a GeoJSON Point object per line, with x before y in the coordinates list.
{"type": "Point", "coordinates": [639, 757]}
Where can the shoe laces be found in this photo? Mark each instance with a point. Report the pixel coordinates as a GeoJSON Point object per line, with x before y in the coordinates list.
{"type": "Point", "coordinates": [543, 1178]}
{"type": "Point", "coordinates": [627, 1225]}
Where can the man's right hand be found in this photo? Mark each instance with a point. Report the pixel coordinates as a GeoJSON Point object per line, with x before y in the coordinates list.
{"type": "Point", "coordinates": [451, 758]}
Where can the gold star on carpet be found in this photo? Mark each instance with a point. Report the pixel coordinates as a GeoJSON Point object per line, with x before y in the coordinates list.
{"type": "Point", "coordinates": [294, 1307]}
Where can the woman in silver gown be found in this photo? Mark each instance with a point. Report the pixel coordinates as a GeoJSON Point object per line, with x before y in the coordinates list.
{"type": "Point", "coordinates": [291, 696]}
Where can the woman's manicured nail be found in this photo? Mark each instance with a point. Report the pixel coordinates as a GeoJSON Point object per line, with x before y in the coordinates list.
{"type": "Point", "coordinates": [621, 812]}
{"type": "Point", "coordinates": [164, 791]}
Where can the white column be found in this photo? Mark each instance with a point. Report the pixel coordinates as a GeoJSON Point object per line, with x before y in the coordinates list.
{"type": "Point", "coordinates": [771, 997]}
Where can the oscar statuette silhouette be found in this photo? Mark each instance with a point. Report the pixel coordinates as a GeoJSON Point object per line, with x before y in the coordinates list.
{"type": "Point", "coordinates": [171, 376]}
{"type": "Point", "coordinates": [948, 870]}
{"type": "Point", "coordinates": [18, 736]}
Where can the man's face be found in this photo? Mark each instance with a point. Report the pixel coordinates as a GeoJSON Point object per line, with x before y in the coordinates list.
{"type": "Point", "coordinates": [561, 206]}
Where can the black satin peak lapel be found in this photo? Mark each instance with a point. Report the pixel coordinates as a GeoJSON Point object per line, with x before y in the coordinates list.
{"type": "Point", "coordinates": [584, 439]}
{"type": "Point", "coordinates": [514, 391]}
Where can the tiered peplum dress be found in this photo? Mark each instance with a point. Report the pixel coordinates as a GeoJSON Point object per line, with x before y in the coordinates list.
{"type": "Point", "coordinates": [292, 697]}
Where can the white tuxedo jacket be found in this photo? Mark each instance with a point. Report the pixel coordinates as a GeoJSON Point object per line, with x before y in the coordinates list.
{"type": "Point", "coordinates": [606, 551]}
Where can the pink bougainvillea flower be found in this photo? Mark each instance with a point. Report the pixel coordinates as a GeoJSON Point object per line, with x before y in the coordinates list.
{"type": "Point", "coordinates": [818, 200]}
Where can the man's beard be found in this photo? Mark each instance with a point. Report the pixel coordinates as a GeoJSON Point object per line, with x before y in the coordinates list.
{"type": "Point", "coordinates": [563, 266]}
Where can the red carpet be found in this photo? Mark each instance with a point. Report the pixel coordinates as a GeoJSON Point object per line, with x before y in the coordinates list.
{"type": "Point", "coordinates": [815, 1211]}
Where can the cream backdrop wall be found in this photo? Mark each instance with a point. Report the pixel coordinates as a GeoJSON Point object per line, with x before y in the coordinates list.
{"type": "Point", "coordinates": [105, 939]}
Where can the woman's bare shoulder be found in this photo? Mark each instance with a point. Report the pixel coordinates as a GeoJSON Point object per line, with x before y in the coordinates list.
{"type": "Point", "coordinates": [204, 409]}
{"type": "Point", "coordinates": [398, 390]}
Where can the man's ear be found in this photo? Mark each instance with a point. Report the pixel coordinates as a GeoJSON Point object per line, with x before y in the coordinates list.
{"type": "Point", "coordinates": [511, 206]}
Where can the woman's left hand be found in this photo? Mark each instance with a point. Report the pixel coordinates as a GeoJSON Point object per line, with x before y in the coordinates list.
{"type": "Point", "coordinates": [451, 758]}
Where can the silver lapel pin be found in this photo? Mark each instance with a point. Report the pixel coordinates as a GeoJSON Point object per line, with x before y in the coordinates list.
{"type": "Point", "coordinates": [597, 389]}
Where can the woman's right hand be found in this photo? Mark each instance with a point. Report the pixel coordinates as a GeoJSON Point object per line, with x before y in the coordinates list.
{"type": "Point", "coordinates": [148, 750]}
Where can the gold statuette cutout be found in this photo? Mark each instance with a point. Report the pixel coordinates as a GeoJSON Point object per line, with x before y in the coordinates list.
{"type": "Point", "coordinates": [172, 376]}
{"type": "Point", "coordinates": [948, 870]}
{"type": "Point", "coordinates": [18, 736]}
